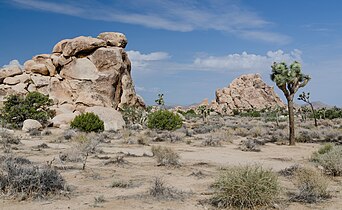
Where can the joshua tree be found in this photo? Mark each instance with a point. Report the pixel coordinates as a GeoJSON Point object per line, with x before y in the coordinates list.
{"type": "Point", "coordinates": [160, 100]}
{"type": "Point", "coordinates": [306, 98]}
{"type": "Point", "coordinates": [289, 80]}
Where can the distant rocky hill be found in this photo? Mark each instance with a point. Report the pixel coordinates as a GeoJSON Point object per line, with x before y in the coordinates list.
{"type": "Point", "coordinates": [82, 72]}
{"type": "Point", "coordinates": [245, 92]}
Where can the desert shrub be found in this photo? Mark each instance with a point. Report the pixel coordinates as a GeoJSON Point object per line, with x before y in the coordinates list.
{"type": "Point", "coordinates": [212, 142]}
{"type": "Point", "coordinates": [88, 122]}
{"type": "Point", "coordinates": [164, 120]}
{"type": "Point", "coordinates": [330, 160]}
{"type": "Point", "coordinates": [19, 108]}
{"type": "Point", "coordinates": [188, 114]}
{"type": "Point", "coordinates": [324, 149]}
{"type": "Point", "coordinates": [245, 187]}
{"type": "Point", "coordinates": [121, 184]}
{"type": "Point", "coordinates": [133, 115]}
{"type": "Point", "coordinates": [312, 185]}
{"type": "Point", "coordinates": [165, 156]}
{"type": "Point", "coordinates": [20, 177]}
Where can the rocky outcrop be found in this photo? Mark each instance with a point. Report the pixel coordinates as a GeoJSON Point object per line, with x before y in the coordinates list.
{"type": "Point", "coordinates": [244, 93]}
{"type": "Point", "coordinates": [82, 72]}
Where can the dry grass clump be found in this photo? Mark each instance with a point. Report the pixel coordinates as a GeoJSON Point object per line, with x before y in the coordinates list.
{"type": "Point", "coordinates": [160, 190]}
{"type": "Point", "coordinates": [165, 156]}
{"type": "Point", "coordinates": [19, 177]}
{"type": "Point", "coordinates": [245, 187]}
{"type": "Point", "coordinates": [7, 139]}
{"type": "Point", "coordinates": [311, 184]}
{"type": "Point", "coordinates": [330, 158]}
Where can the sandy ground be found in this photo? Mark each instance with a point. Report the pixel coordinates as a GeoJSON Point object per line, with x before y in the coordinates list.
{"type": "Point", "coordinates": [95, 181]}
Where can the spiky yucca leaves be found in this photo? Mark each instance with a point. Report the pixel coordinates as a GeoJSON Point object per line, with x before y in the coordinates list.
{"type": "Point", "coordinates": [289, 80]}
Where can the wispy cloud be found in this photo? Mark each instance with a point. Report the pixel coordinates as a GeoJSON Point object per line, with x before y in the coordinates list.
{"type": "Point", "coordinates": [226, 16]}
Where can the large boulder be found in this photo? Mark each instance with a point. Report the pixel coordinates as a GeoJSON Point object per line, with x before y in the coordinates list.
{"type": "Point", "coordinates": [81, 45]}
{"type": "Point", "coordinates": [112, 118]}
{"type": "Point", "coordinates": [9, 72]}
{"type": "Point", "coordinates": [244, 93]}
{"type": "Point", "coordinates": [114, 39]}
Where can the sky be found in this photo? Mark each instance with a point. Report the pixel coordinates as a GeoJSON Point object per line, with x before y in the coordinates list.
{"type": "Point", "coordinates": [188, 49]}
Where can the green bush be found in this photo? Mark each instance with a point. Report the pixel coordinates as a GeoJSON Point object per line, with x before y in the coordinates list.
{"type": "Point", "coordinates": [164, 120]}
{"type": "Point", "coordinates": [88, 122]}
{"type": "Point", "coordinates": [245, 187]}
{"type": "Point", "coordinates": [34, 106]}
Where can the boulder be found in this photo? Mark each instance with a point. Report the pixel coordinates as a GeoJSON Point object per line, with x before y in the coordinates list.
{"type": "Point", "coordinates": [9, 72]}
{"type": "Point", "coordinates": [63, 119]}
{"type": "Point", "coordinates": [81, 69]}
{"type": "Point", "coordinates": [39, 80]}
{"type": "Point", "coordinates": [39, 68]}
{"type": "Point", "coordinates": [81, 45]}
{"type": "Point", "coordinates": [114, 39]}
{"type": "Point", "coordinates": [244, 93]}
{"type": "Point", "coordinates": [19, 88]}
{"type": "Point", "coordinates": [112, 118]}
{"type": "Point", "coordinates": [11, 81]}
{"type": "Point", "coordinates": [30, 124]}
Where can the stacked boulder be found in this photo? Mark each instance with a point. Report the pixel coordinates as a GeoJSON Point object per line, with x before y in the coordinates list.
{"type": "Point", "coordinates": [81, 72]}
{"type": "Point", "coordinates": [246, 92]}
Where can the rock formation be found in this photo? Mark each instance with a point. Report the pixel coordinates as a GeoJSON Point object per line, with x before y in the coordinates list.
{"type": "Point", "coordinates": [82, 72]}
{"type": "Point", "coordinates": [246, 92]}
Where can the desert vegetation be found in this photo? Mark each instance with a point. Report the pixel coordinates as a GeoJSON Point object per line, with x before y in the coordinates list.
{"type": "Point", "coordinates": [239, 161]}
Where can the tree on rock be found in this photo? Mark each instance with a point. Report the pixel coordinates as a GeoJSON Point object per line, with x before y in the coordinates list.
{"type": "Point", "coordinates": [289, 80]}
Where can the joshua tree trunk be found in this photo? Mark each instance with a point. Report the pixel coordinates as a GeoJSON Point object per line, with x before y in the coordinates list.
{"type": "Point", "coordinates": [291, 120]}
{"type": "Point", "coordinates": [314, 114]}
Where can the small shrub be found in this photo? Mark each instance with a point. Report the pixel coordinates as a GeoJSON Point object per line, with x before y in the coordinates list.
{"type": "Point", "coordinates": [212, 142]}
{"type": "Point", "coordinates": [245, 187]}
{"type": "Point", "coordinates": [330, 160]}
{"type": "Point", "coordinates": [20, 177]}
{"type": "Point", "coordinates": [159, 190]}
{"type": "Point", "coordinates": [164, 120]}
{"type": "Point", "coordinates": [120, 184]}
{"type": "Point", "coordinates": [88, 122]}
{"type": "Point", "coordinates": [19, 108]}
{"type": "Point", "coordinates": [250, 145]}
{"type": "Point", "coordinates": [165, 156]}
{"type": "Point", "coordinates": [312, 185]}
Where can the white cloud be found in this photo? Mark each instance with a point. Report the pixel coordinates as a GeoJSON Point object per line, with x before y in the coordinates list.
{"type": "Point", "coordinates": [148, 90]}
{"type": "Point", "coordinates": [245, 61]}
{"type": "Point", "coordinates": [142, 61]}
{"type": "Point", "coordinates": [221, 15]}
{"type": "Point", "coordinates": [13, 63]}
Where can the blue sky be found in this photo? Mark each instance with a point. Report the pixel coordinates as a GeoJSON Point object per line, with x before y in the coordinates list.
{"type": "Point", "coordinates": [188, 49]}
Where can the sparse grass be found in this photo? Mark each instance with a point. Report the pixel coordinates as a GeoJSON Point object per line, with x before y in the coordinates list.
{"type": "Point", "coordinates": [245, 187]}
{"type": "Point", "coordinates": [165, 156]}
{"type": "Point", "coordinates": [311, 184]}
